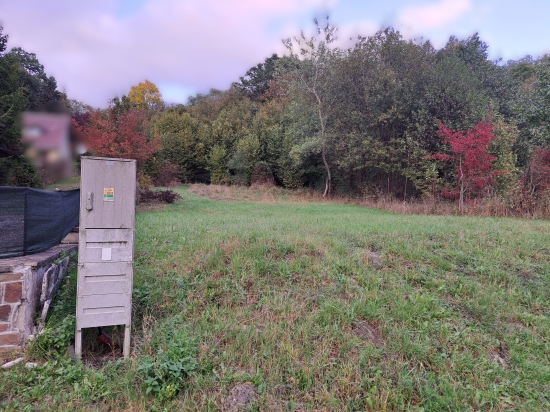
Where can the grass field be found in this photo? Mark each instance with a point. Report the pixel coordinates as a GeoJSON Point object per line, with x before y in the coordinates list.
{"type": "Point", "coordinates": [317, 306]}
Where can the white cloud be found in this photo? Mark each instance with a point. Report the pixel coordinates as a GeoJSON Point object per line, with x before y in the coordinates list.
{"type": "Point", "coordinates": [196, 44]}
{"type": "Point", "coordinates": [433, 16]}
{"type": "Point", "coordinates": [347, 36]}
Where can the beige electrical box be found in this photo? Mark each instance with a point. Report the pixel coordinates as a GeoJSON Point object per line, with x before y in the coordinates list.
{"type": "Point", "coordinates": [106, 246]}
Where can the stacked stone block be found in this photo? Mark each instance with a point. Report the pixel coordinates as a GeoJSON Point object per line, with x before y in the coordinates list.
{"type": "Point", "coordinates": [11, 297]}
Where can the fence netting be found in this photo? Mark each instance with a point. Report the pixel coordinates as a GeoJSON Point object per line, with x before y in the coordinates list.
{"type": "Point", "coordinates": [33, 221]}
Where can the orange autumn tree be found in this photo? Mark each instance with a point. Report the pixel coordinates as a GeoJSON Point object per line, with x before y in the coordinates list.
{"type": "Point", "coordinates": [121, 134]}
{"type": "Point", "coordinates": [146, 95]}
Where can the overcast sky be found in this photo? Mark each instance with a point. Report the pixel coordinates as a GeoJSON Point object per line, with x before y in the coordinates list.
{"type": "Point", "coordinates": [99, 49]}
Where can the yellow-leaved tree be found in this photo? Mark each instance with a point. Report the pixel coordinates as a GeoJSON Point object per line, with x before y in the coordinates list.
{"type": "Point", "coordinates": [146, 95]}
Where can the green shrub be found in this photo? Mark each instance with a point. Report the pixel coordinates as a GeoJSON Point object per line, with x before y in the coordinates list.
{"type": "Point", "coordinates": [18, 171]}
{"type": "Point", "coordinates": [144, 182]}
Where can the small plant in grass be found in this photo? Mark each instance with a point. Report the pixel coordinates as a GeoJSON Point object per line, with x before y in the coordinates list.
{"type": "Point", "coordinates": [57, 337]}
{"type": "Point", "coordinates": [163, 373]}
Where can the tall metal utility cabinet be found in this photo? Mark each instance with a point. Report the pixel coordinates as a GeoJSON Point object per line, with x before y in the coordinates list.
{"type": "Point", "coordinates": [106, 246]}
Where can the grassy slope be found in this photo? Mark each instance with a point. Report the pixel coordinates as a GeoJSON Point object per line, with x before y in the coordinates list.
{"type": "Point", "coordinates": [277, 292]}
{"type": "Point", "coordinates": [456, 316]}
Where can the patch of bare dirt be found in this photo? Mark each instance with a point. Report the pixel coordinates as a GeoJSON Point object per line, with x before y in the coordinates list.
{"type": "Point", "coordinates": [240, 397]}
{"type": "Point", "coordinates": [8, 356]}
{"type": "Point", "coordinates": [374, 259]}
{"type": "Point", "coordinates": [527, 277]}
{"type": "Point", "coordinates": [289, 257]}
{"type": "Point", "coordinates": [500, 355]}
{"type": "Point", "coordinates": [97, 361]}
{"type": "Point", "coordinates": [368, 331]}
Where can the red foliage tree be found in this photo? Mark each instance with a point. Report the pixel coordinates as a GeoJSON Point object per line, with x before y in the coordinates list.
{"type": "Point", "coordinates": [117, 133]}
{"type": "Point", "coordinates": [468, 153]}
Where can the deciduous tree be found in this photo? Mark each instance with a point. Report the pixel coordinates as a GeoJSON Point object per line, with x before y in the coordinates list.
{"type": "Point", "coordinates": [256, 80]}
{"type": "Point", "coordinates": [123, 135]}
{"type": "Point", "coordinates": [312, 80]}
{"type": "Point", "coordinates": [182, 143]}
{"type": "Point", "coordinates": [146, 95]}
{"type": "Point", "coordinates": [468, 153]}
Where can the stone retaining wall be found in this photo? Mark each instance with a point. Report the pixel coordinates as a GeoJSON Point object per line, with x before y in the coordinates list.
{"type": "Point", "coordinates": [21, 288]}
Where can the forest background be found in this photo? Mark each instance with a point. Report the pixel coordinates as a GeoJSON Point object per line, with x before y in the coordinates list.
{"type": "Point", "coordinates": [385, 118]}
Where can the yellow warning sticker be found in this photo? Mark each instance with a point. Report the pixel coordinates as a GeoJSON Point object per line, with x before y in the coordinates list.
{"type": "Point", "coordinates": [108, 194]}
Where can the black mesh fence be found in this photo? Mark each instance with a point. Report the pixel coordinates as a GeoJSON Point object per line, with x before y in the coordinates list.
{"type": "Point", "coordinates": [32, 220]}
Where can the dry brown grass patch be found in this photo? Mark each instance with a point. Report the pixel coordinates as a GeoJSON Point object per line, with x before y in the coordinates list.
{"type": "Point", "coordinates": [230, 245]}
{"type": "Point", "coordinates": [369, 331]}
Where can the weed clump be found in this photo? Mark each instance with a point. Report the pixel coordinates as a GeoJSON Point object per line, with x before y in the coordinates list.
{"type": "Point", "coordinates": [173, 359]}
{"type": "Point", "coordinates": [58, 337]}
{"type": "Point", "coordinates": [164, 196]}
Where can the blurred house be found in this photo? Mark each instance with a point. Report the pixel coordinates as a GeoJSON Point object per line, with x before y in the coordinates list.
{"type": "Point", "coordinates": [51, 142]}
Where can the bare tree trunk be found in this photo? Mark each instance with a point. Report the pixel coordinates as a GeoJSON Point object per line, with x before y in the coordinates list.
{"type": "Point", "coordinates": [461, 198]}
{"type": "Point", "coordinates": [328, 181]}
{"type": "Point", "coordinates": [407, 177]}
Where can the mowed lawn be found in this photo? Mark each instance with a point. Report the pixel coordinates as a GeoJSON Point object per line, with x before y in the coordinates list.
{"type": "Point", "coordinates": [289, 296]}
{"type": "Point", "coordinates": [325, 306]}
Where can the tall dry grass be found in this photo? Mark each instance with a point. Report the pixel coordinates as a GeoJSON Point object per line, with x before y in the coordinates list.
{"type": "Point", "coordinates": [494, 206]}
{"type": "Point", "coordinates": [487, 207]}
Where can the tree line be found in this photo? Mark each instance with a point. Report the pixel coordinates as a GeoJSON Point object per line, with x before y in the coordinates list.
{"type": "Point", "coordinates": [386, 116]}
